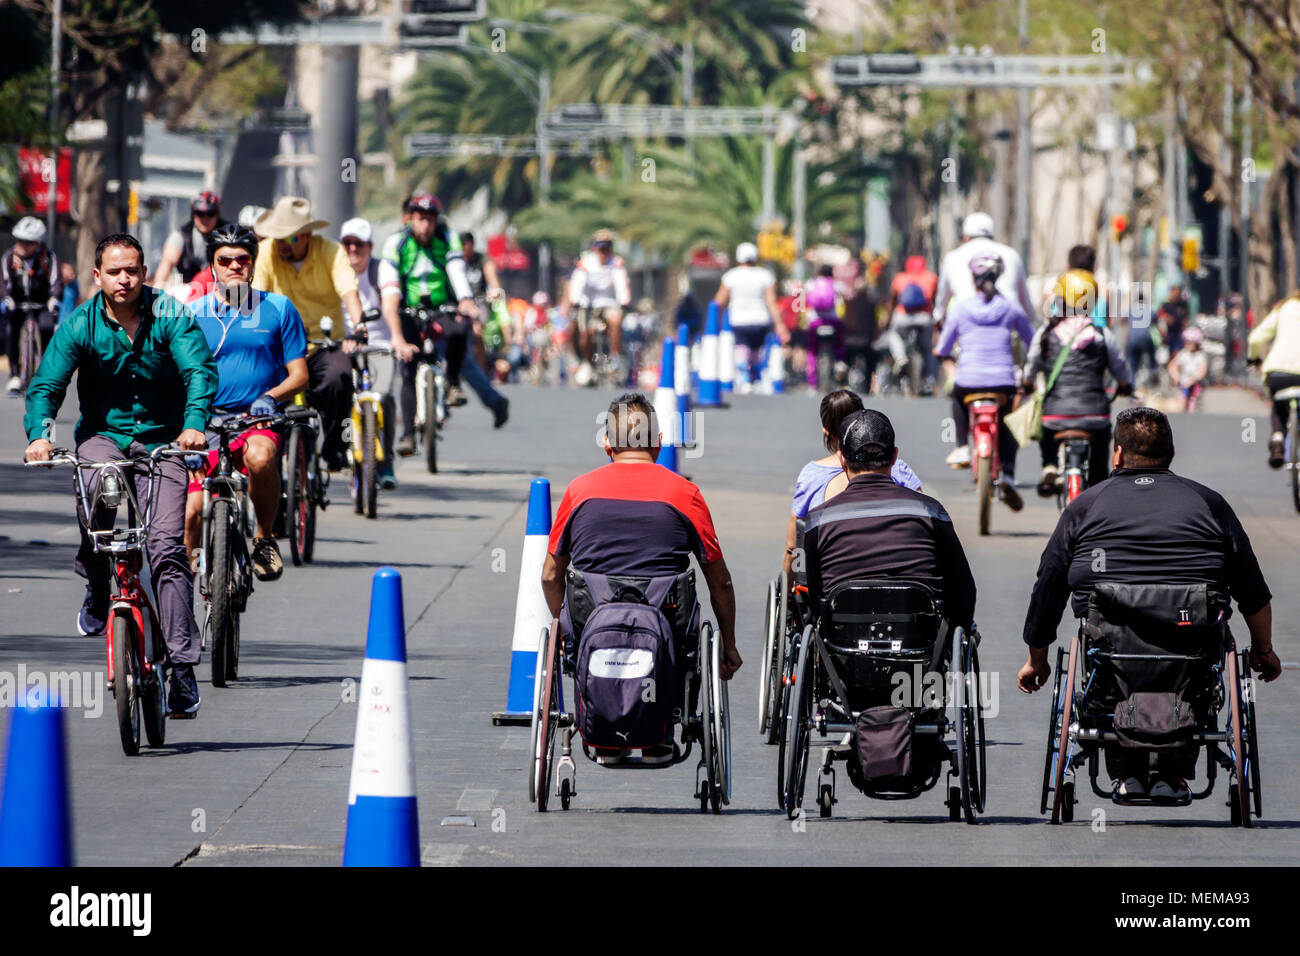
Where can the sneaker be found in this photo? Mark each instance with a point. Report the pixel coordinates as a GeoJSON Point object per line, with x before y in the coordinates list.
{"type": "Point", "coordinates": [94, 613]}
{"type": "Point", "coordinates": [405, 446]}
{"type": "Point", "coordinates": [387, 479]}
{"type": "Point", "coordinates": [183, 701]}
{"type": "Point", "coordinates": [15, 384]}
{"type": "Point", "coordinates": [501, 414]}
{"type": "Point", "coordinates": [657, 755]}
{"type": "Point", "coordinates": [1130, 788]}
{"type": "Point", "coordinates": [610, 758]}
{"type": "Point", "coordinates": [266, 559]}
{"type": "Point", "coordinates": [959, 457]}
{"type": "Point", "coordinates": [1010, 497]}
{"type": "Point", "coordinates": [1170, 790]}
{"type": "Point", "coordinates": [1047, 483]}
{"type": "Point", "coordinates": [1276, 450]}
{"type": "Point", "coordinates": [455, 396]}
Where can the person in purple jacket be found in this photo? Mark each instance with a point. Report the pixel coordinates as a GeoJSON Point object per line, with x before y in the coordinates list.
{"type": "Point", "coordinates": [983, 325]}
{"type": "Point", "coordinates": [824, 478]}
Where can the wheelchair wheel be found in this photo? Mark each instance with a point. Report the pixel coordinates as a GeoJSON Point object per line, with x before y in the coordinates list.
{"type": "Point", "coordinates": [545, 718]}
{"type": "Point", "coordinates": [1052, 713]}
{"type": "Point", "coordinates": [797, 719]}
{"type": "Point", "coordinates": [721, 726]}
{"type": "Point", "coordinates": [1252, 741]}
{"type": "Point", "coordinates": [787, 689]}
{"type": "Point", "coordinates": [1066, 711]}
{"type": "Point", "coordinates": [1239, 791]}
{"type": "Point", "coordinates": [1067, 802]}
{"type": "Point", "coordinates": [769, 669]}
{"type": "Point", "coordinates": [708, 703]}
{"type": "Point", "coordinates": [970, 726]}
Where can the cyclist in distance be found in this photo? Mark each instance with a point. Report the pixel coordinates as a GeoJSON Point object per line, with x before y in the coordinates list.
{"type": "Point", "coordinates": [29, 275]}
{"type": "Point", "coordinates": [1078, 397]}
{"type": "Point", "coordinates": [260, 346]}
{"type": "Point", "coordinates": [186, 249]}
{"type": "Point", "coordinates": [984, 325]}
{"type": "Point", "coordinates": [748, 291]}
{"type": "Point", "coordinates": [357, 239]}
{"type": "Point", "coordinates": [1278, 335]}
{"type": "Point", "coordinates": [955, 281]}
{"type": "Point", "coordinates": [145, 377]}
{"type": "Point", "coordinates": [911, 306]}
{"type": "Point", "coordinates": [598, 284]}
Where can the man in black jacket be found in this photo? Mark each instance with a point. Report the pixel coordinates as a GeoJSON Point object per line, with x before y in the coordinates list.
{"type": "Point", "coordinates": [1146, 525]}
{"type": "Point", "coordinates": [875, 528]}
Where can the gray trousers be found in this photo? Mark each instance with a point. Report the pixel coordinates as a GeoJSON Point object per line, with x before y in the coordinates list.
{"type": "Point", "coordinates": [165, 546]}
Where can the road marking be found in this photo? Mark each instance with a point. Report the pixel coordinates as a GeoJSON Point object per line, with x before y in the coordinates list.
{"type": "Point", "coordinates": [457, 821]}
{"type": "Point", "coordinates": [447, 854]}
{"type": "Point", "coordinates": [474, 801]}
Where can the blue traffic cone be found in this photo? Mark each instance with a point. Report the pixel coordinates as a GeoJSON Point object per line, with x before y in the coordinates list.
{"type": "Point", "coordinates": [383, 822]}
{"type": "Point", "coordinates": [726, 356]}
{"type": "Point", "coordinates": [682, 383]}
{"type": "Point", "coordinates": [532, 616]}
{"type": "Point", "coordinates": [35, 811]}
{"type": "Point", "coordinates": [710, 393]}
{"type": "Point", "coordinates": [774, 370]}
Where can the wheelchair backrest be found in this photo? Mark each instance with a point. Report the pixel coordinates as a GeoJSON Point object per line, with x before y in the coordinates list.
{"type": "Point", "coordinates": [881, 616]}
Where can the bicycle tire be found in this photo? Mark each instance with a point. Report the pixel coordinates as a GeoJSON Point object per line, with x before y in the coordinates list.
{"type": "Point", "coordinates": [126, 684]}
{"type": "Point", "coordinates": [296, 493]}
{"type": "Point", "coordinates": [430, 431]}
{"type": "Point", "coordinates": [29, 351]}
{"type": "Point", "coordinates": [1294, 429]}
{"type": "Point", "coordinates": [984, 491]}
{"type": "Point", "coordinates": [221, 585]}
{"type": "Point", "coordinates": [825, 370]}
{"type": "Point", "coordinates": [369, 488]}
{"type": "Point", "coordinates": [154, 700]}
{"type": "Point", "coordinates": [315, 495]}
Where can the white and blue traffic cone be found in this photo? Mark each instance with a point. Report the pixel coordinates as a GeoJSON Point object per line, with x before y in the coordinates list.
{"type": "Point", "coordinates": [726, 356]}
{"type": "Point", "coordinates": [383, 822]}
{"type": "Point", "coordinates": [35, 811]}
{"type": "Point", "coordinates": [666, 406]}
{"type": "Point", "coordinates": [710, 393]}
{"type": "Point", "coordinates": [774, 366]}
{"type": "Point", "coordinates": [682, 382]}
{"type": "Point", "coordinates": [532, 616]}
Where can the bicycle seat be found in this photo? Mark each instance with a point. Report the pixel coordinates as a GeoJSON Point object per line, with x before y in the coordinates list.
{"type": "Point", "coordinates": [1069, 433]}
{"type": "Point", "coordinates": [998, 397]}
{"type": "Point", "coordinates": [1287, 394]}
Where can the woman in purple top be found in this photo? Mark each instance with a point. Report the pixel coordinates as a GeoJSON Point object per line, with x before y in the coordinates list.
{"type": "Point", "coordinates": [984, 325]}
{"type": "Point", "coordinates": [823, 478]}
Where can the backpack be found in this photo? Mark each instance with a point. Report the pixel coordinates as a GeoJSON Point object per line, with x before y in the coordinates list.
{"type": "Point", "coordinates": [626, 660]}
{"type": "Point", "coordinates": [821, 294]}
{"type": "Point", "coordinates": [913, 298]}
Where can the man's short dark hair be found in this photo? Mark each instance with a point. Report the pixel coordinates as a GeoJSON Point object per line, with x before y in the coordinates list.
{"type": "Point", "coordinates": [406, 205]}
{"type": "Point", "coordinates": [1082, 257]}
{"type": "Point", "coordinates": [1145, 436]}
{"type": "Point", "coordinates": [631, 423]}
{"type": "Point", "coordinates": [466, 237]}
{"type": "Point", "coordinates": [117, 239]}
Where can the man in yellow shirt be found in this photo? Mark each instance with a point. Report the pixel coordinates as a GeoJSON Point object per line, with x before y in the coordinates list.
{"type": "Point", "coordinates": [314, 274]}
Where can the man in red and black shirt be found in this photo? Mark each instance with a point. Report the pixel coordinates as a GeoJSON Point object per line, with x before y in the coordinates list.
{"type": "Point", "coordinates": [634, 517]}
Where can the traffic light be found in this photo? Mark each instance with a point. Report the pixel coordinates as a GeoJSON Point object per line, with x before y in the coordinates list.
{"type": "Point", "coordinates": [1191, 253]}
{"type": "Point", "coordinates": [1119, 226]}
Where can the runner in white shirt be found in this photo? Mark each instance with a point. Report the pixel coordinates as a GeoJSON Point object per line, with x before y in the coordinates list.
{"type": "Point", "coordinates": [599, 282]}
{"type": "Point", "coordinates": [955, 282]}
{"type": "Point", "coordinates": [748, 292]}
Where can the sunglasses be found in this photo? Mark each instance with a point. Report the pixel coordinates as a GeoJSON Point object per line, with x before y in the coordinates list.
{"type": "Point", "coordinates": [228, 261]}
{"type": "Point", "coordinates": [206, 215]}
{"type": "Point", "coordinates": [354, 244]}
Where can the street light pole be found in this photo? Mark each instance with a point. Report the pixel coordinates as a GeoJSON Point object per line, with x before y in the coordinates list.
{"type": "Point", "coordinates": [543, 173]}
{"type": "Point", "coordinates": [1022, 149]}
{"type": "Point", "coordinates": [56, 45]}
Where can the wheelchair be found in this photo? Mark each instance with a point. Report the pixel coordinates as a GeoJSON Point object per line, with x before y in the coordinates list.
{"type": "Point", "coordinates": [878, 672]}
{"type": "Point", "coordinates": [784, 614]}
{"type": "Point", "coordinates": [1151, 669]}
{"type": "Point", "coordinates": [700, 713]}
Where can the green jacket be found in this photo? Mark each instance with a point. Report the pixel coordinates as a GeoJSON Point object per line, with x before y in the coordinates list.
{"type": "Point", "coordinates": [147, 391]}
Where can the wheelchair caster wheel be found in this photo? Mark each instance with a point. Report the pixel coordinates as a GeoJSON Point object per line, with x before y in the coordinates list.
{"type": "Point", "coordinates": [954, 803]}
{"type": "Point", "coordinates": [1067, 802]}
{"type": "Point", "coordinates": [704, 796]}
{"type": "Point", "coordinates": [825, 799]}
{"type": "Point", "coordinates": [566, 794]}
{"type": "Point", "coordinates": [1234, 805]}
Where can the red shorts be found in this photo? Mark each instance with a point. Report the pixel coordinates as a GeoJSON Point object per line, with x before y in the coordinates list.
{"type": "Point", "coordinates": [237, 453]}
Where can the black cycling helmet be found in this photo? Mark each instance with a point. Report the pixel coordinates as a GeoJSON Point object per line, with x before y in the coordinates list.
{"type": "Point", "coordinates": [230, 234]}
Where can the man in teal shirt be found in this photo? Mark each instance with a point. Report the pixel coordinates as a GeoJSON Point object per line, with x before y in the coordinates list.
{"type": "Point", "coordinates": [145, 377]}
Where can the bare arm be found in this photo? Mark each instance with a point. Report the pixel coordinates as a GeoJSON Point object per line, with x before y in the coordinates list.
{"type": "Point", "coordinates": [553, 582]}
{"type": "Point", "coordinates": [722, 597]}
{"type": "Point", "coordinates": [791, 539]}
{"type": "Point", "coordinates": [723, 297]}
{"type": "Point", "coordinates": [170, 257]}
{"type": "Point", "coordinates": [1262, 656]}
{"type": "Point", "coordinates": [293, 383]}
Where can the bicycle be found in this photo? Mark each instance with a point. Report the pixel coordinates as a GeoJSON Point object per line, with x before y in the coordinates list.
{"type": "Point", "coordinates": [30, 350]}
{"type": "Point", "coordinates": [1292, 396]}
{"type": "Point", "coordinates": [430, 381]}
{"type": "Point", "coordinates": [225, 565]}
{"type": "Point", "coordinates": [303, 480]}
{"type": "Point", "coordinates": [986, 463]}
{"type": "Point", "coordinates": [367, 428]}
{"type": "Point", "coordinates": [607, 370]}
{"type": "Point", "coordinates": [135, 649]}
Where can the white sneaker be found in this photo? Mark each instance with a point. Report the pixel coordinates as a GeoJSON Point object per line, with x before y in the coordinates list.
{"type": "Point", "coordinates": [15, 383]}
{"type": "Point", "coordinates": [959, 457]}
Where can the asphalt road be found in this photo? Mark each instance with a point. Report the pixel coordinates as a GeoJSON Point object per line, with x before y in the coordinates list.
{"type": "Point", "coordinates": [262, 776]}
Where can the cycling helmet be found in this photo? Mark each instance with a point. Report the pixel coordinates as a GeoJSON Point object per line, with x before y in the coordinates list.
{"type": "Point", "coordinates": [987, 266]}
{"type": "Point", "coordinates": [1193, 336]}
{"type": "Point", "coordinates": [746, 252]}
{"type": "Point", "coordinates": [426, 202]}
{"type": "Point", "coordinates": [1077, 291]}
{"type": "Point", "coordinates": [977, 224]}
{"type": "Point", "coordinates": [206, 202]}
{"type": "Point", "coordinates": [602, 237]}
{"type": "Point", "coordinates": [29, 229]}
{"type": "Point", "coordinates": [249, 214]}
{"type": "Point", "coordinates": [231, 235]}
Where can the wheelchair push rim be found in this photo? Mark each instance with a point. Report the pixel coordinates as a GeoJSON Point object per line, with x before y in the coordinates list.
{"type": "Point", "coordinates": [1063, 739]}
{"type": "Point", "coordinates": [721, 720]}
{"type": "Point", "coordinates": [970, 725]}
{"type": "Point", "coordinates": [1240, 791]}
{"type": "Point", "coordinates": [545, 718]}
{"type": "Point", "coordinates": [766, 714]}
{"type": "Point", "coordinates": [797, 728]}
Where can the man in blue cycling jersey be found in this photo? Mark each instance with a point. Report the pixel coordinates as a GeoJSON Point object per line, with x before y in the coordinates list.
{"type": "Point", "coordinates": [260, 344]}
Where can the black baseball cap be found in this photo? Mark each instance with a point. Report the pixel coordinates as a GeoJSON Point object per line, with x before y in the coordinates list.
{"type": "Point", "coordinates": [867, 439]}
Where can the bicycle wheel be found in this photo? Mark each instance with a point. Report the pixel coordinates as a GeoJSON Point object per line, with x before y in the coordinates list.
{"type": "Point", "coordinates": [221, 588]}
{"type": "Point", "coordinates": [429, 433]}
{"type": "Point", "coordinates": [1294, 443]}
{"type": "Point", "coordinates": [368, 490]}
{"type": "Point", "coordinates": [126, 684]}
{"type": "Point", "coordinates": [297, 493]}
{"type": "Point", "coordinates": [154, 700]}
{"type": "Point", "coordinates": [984, 491]}
{"type": "Point", "coordinates": [314, 497]}
{"type": "Point", "coordinates": [29, 350]}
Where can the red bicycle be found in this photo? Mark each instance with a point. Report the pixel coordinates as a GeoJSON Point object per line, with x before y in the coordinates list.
{"type": "Point", "coordinates": [986, 465]}
{"type": "Point", "coordinates": [136, 651]}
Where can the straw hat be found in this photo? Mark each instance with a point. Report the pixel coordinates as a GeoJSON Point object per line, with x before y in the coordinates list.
{"type": "Point", "coordinates": [289, 216]}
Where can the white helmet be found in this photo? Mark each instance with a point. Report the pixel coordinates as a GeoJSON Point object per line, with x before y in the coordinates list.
{"type": "Point", "coordinates": [977, 224]}
{"type": "Point", "coordinates": [746, 252]}
{"type": "Point", "coordinates": [29, 229]}
{"type": "Point", "coordinates": [249, 214]}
